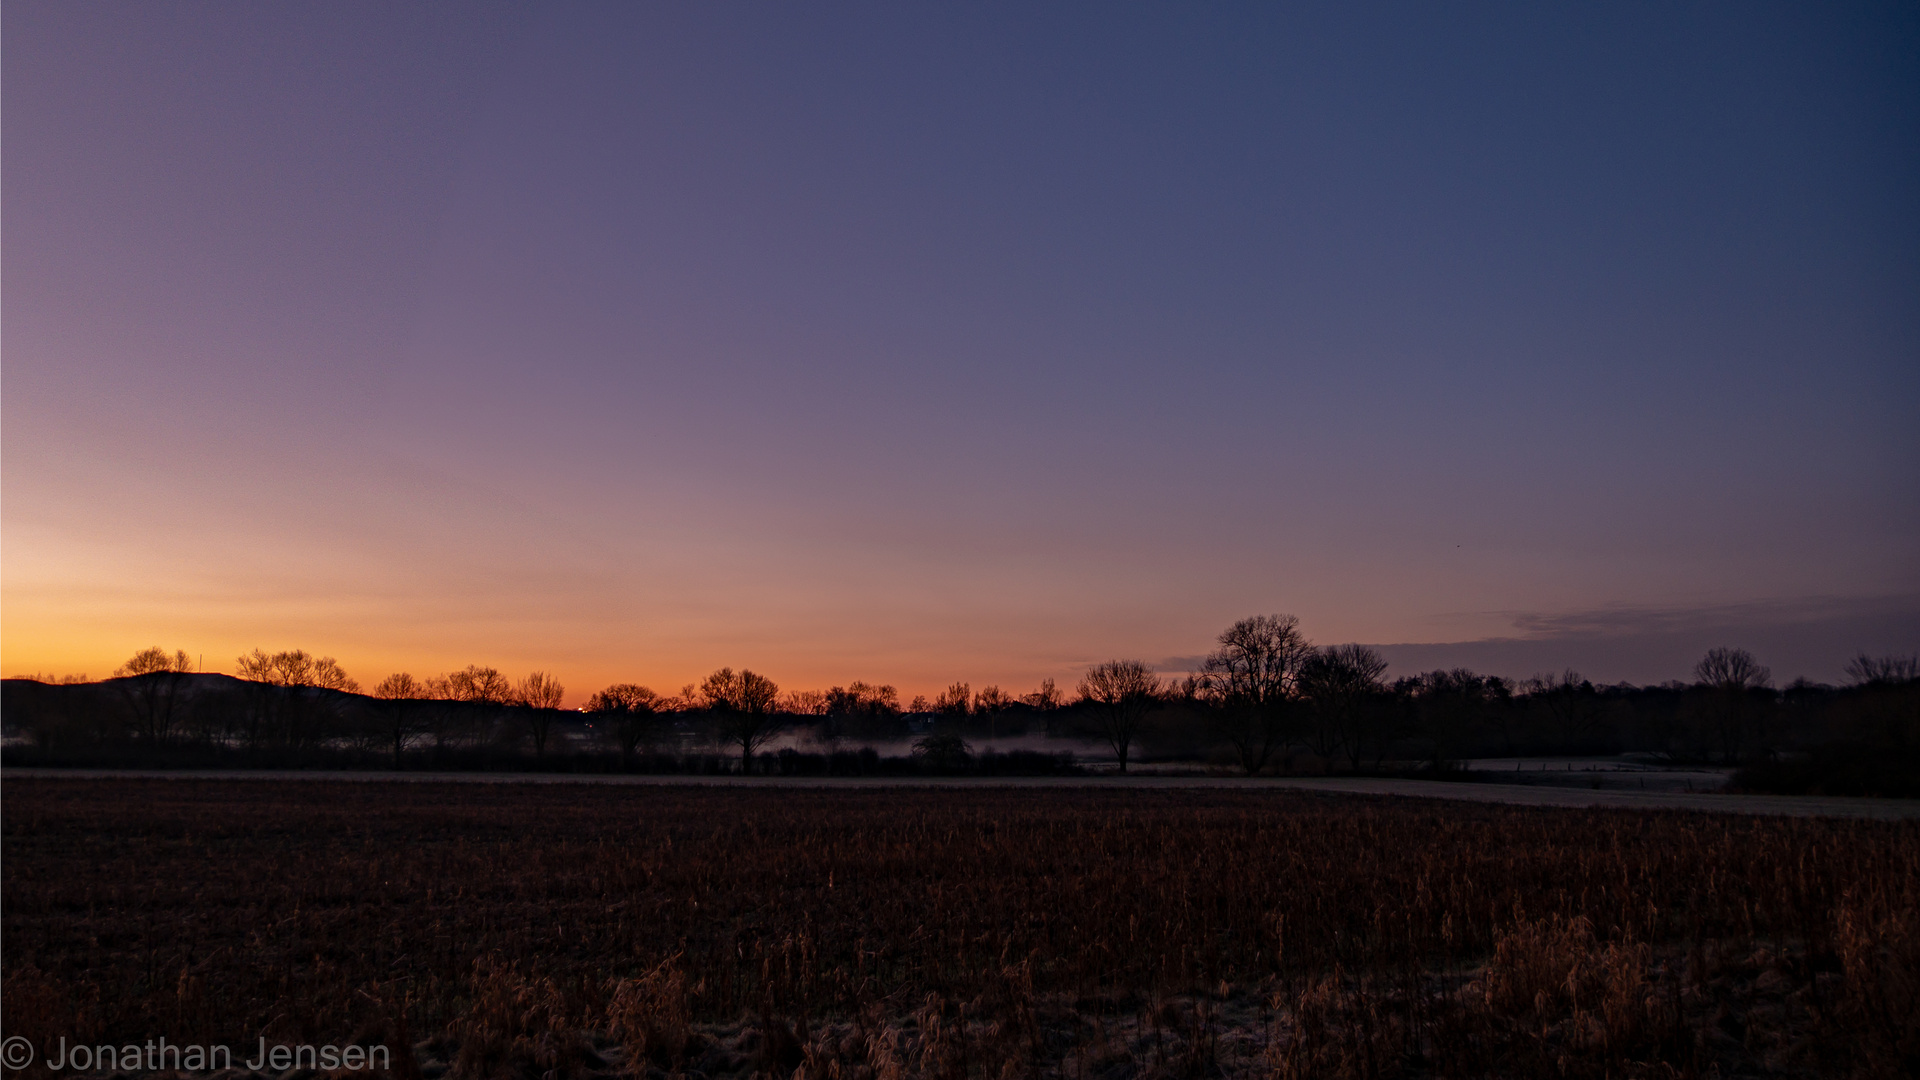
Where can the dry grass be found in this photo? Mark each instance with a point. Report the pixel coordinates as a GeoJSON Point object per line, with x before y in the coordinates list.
{"type": "Point", "coordinates": [568, 932]}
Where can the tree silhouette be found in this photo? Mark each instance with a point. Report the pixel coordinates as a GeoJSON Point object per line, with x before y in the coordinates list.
{"type": "Point", "coordinates": [630, 713]}
{"type": "Point", "coordinates": [295, 667]}
{"type": "Point", "coordinates": [286, 696]}
{"type": "Point", "coordinates": [1732, 679]}
{"type": "Point", "coordinates": [1048, 700]}
{"type": "Point", "coordinates": [151, 684]}
{"type": "Point", "coordinates": [477, 692]}
{"type": "Point", "coordinates": [861, 708]}
{"type": "Point", "coordinates": [402, 700]}
{"type": "Point", "coordinates": [742, 708]}
{"type": "Point", "coordinates": [1452, 705]}
{"type": "Point", "coordinates": [479, 685]}
{"type": "Point", "coordinates": [989, 705]}
{"type": "Point", "coordinates": [805, 702]}
{"type": "Point", "coordinates": [944, 751]}
{"type": "Point", "coordinates": [1570, 700]}
{"type": "Point", "coordinates": [992, 698]}
{"type": "Point", "coordinates": [1734, 668]}
{"type": "Point", "coordinates": [1885, 710]}
{"type": "Point", "coordinates": [539, 696]}
{"type": "Point", "coordinates": [1250, 683]}
{"type": "Point", "coordinates": [1341, 682]}
{"type": "Point", "coordinates": [955, 701]}
{"type": "Point", "coordinates": [1118, 695]}
{"type": "Point", "coordinates": [1867, 670]}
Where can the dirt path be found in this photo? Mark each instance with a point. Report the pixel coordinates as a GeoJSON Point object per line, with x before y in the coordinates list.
{"type": "Point", "coordinates": [1513, 794]}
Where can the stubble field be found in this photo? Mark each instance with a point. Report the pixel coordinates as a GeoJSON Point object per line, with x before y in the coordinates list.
{"type": "Point", "coordinates": [571, 931]}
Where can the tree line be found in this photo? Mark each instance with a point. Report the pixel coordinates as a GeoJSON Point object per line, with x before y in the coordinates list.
{"type": "Point", "coordinates": [1266, 699]}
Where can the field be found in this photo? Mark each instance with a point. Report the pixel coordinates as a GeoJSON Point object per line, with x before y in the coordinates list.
{"type": "Point", "coordinates": [546, 931]}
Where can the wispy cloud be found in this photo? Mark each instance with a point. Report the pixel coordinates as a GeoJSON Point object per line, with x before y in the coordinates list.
{"type": "Point", "coordinates": [1629, 620]}
{"type": "Point", "coordinates": [1810, 636]}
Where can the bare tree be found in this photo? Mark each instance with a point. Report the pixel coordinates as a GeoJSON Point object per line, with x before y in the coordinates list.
{"type": "Point", "coordinates": [1731, 679]}
{"type": "Point", "coordinates": [1453, 706]}
{"type": "Point", "coordinates": [1048, 700]}
{"type": "Point", "coordinates": [742, 708]}
{"type": "Point", "coordinates": [989, 704]}
{"type": "Point", "coordinates": [402, 709]}
{"type": "Point", "coordinates": [1866, 670]}
{"type": "Point", "coordinates": [1884, 706]}
{"type": "Point", "coordinates": [1731, 667]}
{"type": "Point", "coordinates": [629, 713]}
{"type": "Point", "coordinates": [475, 693]}
{"type": "Point", "coordinates": [400, 686]}
{"type": "Point", "coordinates": [295, 667]}
{"type": "Point", "coordinates": [862, 709]}
{"type": "Point", "coordinates": [477, 684]}
{"type": "Point", "coordinates": [1119, 694]}
{"type": "Point", "coordinates": [288, 697]}
{"type": "Point", "coordinates": [955, 701]}
{"type": "Point", "coordinates": [151, 685]}
{"type": "Point", "coordinates": [1341, 683]}
{"type": "Point", "coordinates": [1250, 682]}
{"type": "Point", "coordinates": [804, 702]}
{"type": "Point", "coordinates": [539, 696]}
{"type": "Point", "coordinates": [1570, 701]}
{"type": "Point", "coordinates": [146, 662]}
{"type": "Point", "coordinates": [863, 697]}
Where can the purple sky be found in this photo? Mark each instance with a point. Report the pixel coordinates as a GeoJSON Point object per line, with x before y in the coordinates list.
{"type": "Point", "coordinates": [915, 343]}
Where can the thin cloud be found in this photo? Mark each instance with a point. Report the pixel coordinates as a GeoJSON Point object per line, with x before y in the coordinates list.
{"type": "Point", "coordinates": [1626, 620]}
{"type": "Point", "coordinates": [1643, 644]}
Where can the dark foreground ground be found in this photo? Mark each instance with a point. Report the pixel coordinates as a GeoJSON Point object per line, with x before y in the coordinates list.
{"type": "Point", "coordinates": [560, 931]}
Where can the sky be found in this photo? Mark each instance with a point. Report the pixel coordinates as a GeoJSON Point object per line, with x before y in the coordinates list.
{"type": "Point", "coordinates": [984, 342]}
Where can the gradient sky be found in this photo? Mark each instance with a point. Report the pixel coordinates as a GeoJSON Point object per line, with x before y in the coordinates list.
{"type": "Point", "coordinates": [914, 343]}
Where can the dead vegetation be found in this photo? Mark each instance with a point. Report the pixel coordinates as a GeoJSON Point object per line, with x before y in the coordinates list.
{"type": "Point", "coordinates": [555, 933]}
